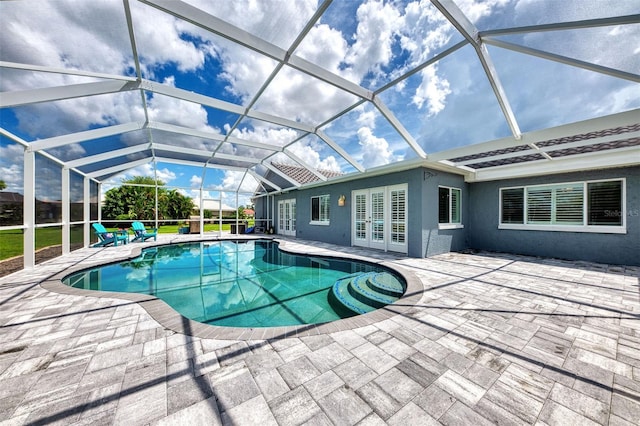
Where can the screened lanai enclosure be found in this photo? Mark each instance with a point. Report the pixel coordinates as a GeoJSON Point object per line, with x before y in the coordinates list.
{"type": "Point", "coordinates": [230, 100]}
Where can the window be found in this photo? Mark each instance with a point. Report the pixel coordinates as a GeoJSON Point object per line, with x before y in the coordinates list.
{"type": "Point", "coordinates": [449, 213]}
{"type": "Point", "coordinates": [596, 206]}
{"type": "Point", "coordinates": [320, 210]}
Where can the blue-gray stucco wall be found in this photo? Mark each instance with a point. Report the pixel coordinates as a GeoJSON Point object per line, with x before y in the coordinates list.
{"type": "Point", "coordinates": [434, 240]}
{"type": "Point", "coordinates": [484, 234]}
{"type": "Point", "coordinates": [480, 216]}
{"type": "Point", "coordinates": [423, 238]}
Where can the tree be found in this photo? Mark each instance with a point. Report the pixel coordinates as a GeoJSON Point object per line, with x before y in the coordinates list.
{"type": "Point", "coordinates": [2, 185]}
{"type": "Point", "coordinates": [135, 200]}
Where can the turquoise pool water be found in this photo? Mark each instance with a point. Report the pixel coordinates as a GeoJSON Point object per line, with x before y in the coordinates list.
{"type": "Point", "coordinates": [237, 283]}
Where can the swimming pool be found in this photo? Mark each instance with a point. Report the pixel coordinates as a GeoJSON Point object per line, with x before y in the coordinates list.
{"type": "Point", "coordinates": [248, 283]}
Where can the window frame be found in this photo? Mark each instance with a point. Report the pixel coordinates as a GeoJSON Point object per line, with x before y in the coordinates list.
{"type": "Point", "coordinates": [450, 224]}
{"type": "Point", "coordinates": [323, 217]}
{"type": "Point", "coordinates": [583, 227]}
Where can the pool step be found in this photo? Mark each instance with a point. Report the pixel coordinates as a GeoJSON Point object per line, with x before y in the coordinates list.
{"type": "Point", "coordinates": [360, 293]}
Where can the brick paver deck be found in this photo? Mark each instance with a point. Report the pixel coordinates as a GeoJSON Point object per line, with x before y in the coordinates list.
{"type": "Point", "coordinates": [485, 339]}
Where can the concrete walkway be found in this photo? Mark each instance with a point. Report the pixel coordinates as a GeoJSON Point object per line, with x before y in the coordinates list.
{"type": "Point", "coordinates": [488, 339]}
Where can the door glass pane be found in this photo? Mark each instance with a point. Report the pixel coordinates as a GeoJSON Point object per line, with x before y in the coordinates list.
{"type": "Point", "coordinates": [398, 216]}
{"type": "Point", "coordinates": [360, 206]}
{"type": "Point", "coordinates": [293, 215]}
{"type": "Point", "coordinates": [377, 216]}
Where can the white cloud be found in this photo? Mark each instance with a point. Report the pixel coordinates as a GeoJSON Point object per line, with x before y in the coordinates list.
{"type": "Point", "coordinates": [433, 90]}
{"type": "Point", "coordinates": [367, 118]}
{"type": "Point", "coordinates": [375, 150]}
{"type": "Point", "coordinates": [164, 175]}
{"type": "Point", "coordinates": [309, 153]}
{"type": "Point", "coordinates": [475, 10]}
{"type": "Point", "coordinates": [11, 167]}
{"type": "Point", "coordinates": [196, 180]}
{"type": "Point", "coordinates": [378, 24]}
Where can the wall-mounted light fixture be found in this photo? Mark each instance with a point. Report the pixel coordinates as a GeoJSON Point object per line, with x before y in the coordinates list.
{"type": "Point", "coordinates": [341, 200]}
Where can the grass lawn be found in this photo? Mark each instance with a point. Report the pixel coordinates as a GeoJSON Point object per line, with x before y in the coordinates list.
{"type": "Point", "coordinates": [12, 241]}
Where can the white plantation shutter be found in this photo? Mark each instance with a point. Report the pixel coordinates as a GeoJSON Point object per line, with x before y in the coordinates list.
{"type": "Point", "coordinates": [398, 216]}
{"type": "Point", "coordinates": [539, 205]}
{"type": "Point", "coordinates": [569, 203]}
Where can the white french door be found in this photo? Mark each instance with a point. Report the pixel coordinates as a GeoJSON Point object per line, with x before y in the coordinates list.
{"type": "Point", "coordinates": [287, 217]}
{"type": "Point", "coordinates": [380, 218]}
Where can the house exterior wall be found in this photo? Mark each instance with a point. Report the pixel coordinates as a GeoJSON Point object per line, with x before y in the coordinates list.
{"type": "Point", "coordinates": [480, 216]}
{"type": "Point", "coordinates": [423, 236]}
{"type": "Point", "coordinates": [434, 240]}
{"type": "Point", "coordinates": [484, 213]}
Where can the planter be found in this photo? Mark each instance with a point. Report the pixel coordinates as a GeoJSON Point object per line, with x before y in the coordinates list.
{"type": "Point", "coordinates": [183, 230]}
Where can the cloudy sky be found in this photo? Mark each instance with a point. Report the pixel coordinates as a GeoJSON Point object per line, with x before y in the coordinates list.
{"type": "Point", "coordinates": [369, 43]}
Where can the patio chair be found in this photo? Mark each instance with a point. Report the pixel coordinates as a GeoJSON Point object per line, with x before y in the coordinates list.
{"type": "Point", "coordinates": [142, 234]}
{"type": "Point", "coordinates": [105, 237]}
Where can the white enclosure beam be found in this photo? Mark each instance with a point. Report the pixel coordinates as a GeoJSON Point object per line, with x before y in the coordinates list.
{"type": "Point", "coordinates": [29, 215]}
{"type": "Point", "coordinates": [563, 59]}
{"type": "Point", "coordinates": [337, 148]}
{"type": "Point", "coordinates": [222, 28]}
{"type": "Point", "coordinates": [66, 71]}
{"type": "Point", "coordinates": [87, 135]}
{"type": "Point", "coordinates": [217, 26]}
{"type": "Point", "coordinates": [86, 212]}
{"type": "Point", "coordinates": [48, 94]}
{"type": "Point", "coordinates": [459, 20]}
{"type": "Point", "coordinates": [186, 95]}
{"type": "Point", "coordinates": [561, 26]}
{"type": "Point", "coordinates": [83, 161]}
{"type": "Point", "coordinates": [329, 77]}
{"type": "Point", "coordinates": [261, 179]}
{"type": "Point", "coordinates": [172, 128]}
{"type": "Point", "coordinates": [245, 159]}
{"type": "Point", "coordinates": [304, 164]}
{"type": "Point", "coordinates": [279, 121]}
{"type": "Point", "coordinates": [386, 112]}
{"type": "Point", "coordinates": [66, 215]}
{"type": "Point", "coordinates": [277, 171]}
{"type": "Point", "coordinates": [132, 38]}
{"type": "Point", "coordinates": [182, 150]}
{"type": "Point", "coordinates": [118, 168]}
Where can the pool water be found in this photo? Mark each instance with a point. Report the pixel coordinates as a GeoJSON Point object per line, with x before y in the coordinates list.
{"type": "Point", "coordinates": [234, 283]}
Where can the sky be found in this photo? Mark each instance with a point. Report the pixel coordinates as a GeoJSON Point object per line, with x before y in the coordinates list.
{"type": "Point", "coordinates": [369, 43]}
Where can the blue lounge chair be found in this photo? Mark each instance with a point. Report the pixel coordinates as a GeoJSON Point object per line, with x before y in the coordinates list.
{"type": "Point", "coordinates": [141, 234]}
{"type": "Point", "coordinates": [105, 237]}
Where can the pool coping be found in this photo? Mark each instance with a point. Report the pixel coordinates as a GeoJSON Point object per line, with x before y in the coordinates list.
{"type": "Point", "coordinates": [173, 320]}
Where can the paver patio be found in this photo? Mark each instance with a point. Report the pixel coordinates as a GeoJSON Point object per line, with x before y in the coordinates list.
{"type": "Point", "coordinates": [488, 339]}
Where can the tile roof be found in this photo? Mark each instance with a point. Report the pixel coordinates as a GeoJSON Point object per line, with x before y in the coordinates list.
{"type": "Point", "coordinates": [303, 175]}
{"type": "Point", "coordinates": [590, 144]}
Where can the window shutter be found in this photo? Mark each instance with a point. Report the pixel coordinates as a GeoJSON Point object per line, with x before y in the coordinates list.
{"type": "Point", "coordinates": [605, 203]}
{"type": "Point", "coordinates": [443, 205]}
{"type": "Point", "coordinates": [455, 205]}
{"type": "Point", "coordinates": [569, 205]}
{"type": "Point", "coordinates": [539, 205]}
{"type": "Point", "coordinates": [513, 205]}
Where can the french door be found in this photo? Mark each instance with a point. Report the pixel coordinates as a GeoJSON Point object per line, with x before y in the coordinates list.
{"type": "Point", "coordinates": [287, 217]}
{"type": "Point", "coordinates": [380, 218]}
